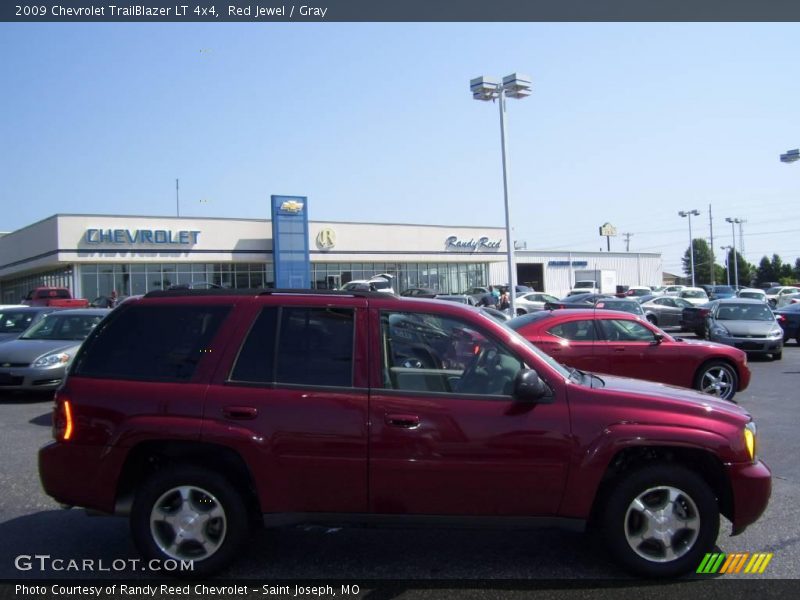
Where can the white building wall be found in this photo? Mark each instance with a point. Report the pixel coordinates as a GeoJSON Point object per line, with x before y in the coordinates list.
{"type": "Point", "coordinates": [631, 268]}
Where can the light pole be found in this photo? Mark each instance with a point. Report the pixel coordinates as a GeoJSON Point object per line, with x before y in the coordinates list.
{"type": "Point", "coordinates": [733, 222]}
{"type": "Point", "coordinates": [514, 86]}
{"type": "Point", "coordinates": [689, 213]}
{"type": "Point", "coordinates": [727, 261]}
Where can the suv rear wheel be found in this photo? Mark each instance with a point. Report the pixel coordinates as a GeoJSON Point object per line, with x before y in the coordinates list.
{"type": "Point", "coordinates": [188, 513]}
{"type": "Point", "coordinates": [660, 520]}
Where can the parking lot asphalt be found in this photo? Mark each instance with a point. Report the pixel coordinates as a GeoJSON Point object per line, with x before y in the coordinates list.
{"type": "Point", "coordinates": [31, 523]}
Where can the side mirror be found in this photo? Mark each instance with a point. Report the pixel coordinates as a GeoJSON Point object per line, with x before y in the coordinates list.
{"type": "Point", "coordinates": [658, 338]}
{"type": "Point", "coordinates": [529, 387]}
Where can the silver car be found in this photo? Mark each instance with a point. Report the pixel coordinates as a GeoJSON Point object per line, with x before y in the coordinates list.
{"type": "Point", "coordinates": [665, 311]}
{"type": "Point", "coordinates": [38, 359]}
{"type": "Point", "coordinates": [14, 320]}
{"type": "Point", "coordinates": [746, 324]}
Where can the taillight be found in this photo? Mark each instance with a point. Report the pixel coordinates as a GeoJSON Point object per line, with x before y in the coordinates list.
{"type": "Point", "coordinates": [780, 318]}
{"type": "Point", "coordinates": [704, 312]}
{"type": "Point", "coordinates": [63, 419]}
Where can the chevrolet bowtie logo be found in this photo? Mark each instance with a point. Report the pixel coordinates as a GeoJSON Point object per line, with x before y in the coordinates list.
{"type": "Point", "coordinates": [292, 206]}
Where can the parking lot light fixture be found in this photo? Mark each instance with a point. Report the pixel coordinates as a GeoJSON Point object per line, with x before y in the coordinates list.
{"type": "Point", "coordinates": [689, 213]}
{"type": "Point", "coordinates": [733, 221]}
{"type": "Point", "coordinates": [790, 156]}
{"type": "Point", "coordinates": [484, 89]}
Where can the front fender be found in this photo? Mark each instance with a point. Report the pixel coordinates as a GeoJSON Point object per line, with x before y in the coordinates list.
{"type": "Point", "coordinates": [593, 460]}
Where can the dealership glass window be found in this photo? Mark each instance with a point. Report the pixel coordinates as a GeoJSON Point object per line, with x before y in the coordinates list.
{"type": "Point", "coordinates": [445, 277]}
{"type": "Point", "coordinates": [135, 279]}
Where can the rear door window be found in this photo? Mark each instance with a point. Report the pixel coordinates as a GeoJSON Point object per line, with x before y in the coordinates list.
{"type": "Point", "coordinates": [151, 343]}
{"type": "Point", "coordinates": [299, 345]}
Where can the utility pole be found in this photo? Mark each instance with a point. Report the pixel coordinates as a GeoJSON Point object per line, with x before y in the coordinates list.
{"type": "Point", "coordinates": [177, 200]}
{"type": "Point", "coordinates": [627, 241]}
{"type": "Point", "coordinates": [711, 229]}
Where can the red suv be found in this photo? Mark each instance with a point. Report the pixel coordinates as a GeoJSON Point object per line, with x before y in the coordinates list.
{"type": "Point", "coordinates": [193, 412]}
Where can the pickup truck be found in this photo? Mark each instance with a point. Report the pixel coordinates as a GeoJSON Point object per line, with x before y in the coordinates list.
{"type": "Point", "coordinates": [54, 296]}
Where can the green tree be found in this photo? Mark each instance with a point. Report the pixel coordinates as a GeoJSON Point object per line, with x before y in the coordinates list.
{"type": "Point", "coordinates": [766, 270]}
{"type": "Point", "coordinates": [702, 262]}
{"type": "Point", "coordinates": [745, 269]}
{"type": "Point", "coordinates": [777, 266]}
{"type": "Point", "coordinates": [797, 269]}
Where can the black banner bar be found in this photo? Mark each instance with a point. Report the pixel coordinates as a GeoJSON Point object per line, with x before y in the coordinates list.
{"type": "Point", "coordinates": [266, 11]}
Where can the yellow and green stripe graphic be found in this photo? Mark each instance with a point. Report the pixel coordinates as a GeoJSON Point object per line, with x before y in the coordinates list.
{"type": "Point", "coordinates": [738, 562]}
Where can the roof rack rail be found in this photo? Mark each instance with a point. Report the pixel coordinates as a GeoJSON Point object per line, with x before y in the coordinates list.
{"type": "Point", "coordinates": [261, 292]}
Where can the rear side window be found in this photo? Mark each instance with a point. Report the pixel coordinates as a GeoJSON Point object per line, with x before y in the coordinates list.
{"type": "Point", "coordinates": [151, 343]}
{"type": "Point", "coordinates": [308, 346]}
{"type": "Point", "coordinates": [578, 331]}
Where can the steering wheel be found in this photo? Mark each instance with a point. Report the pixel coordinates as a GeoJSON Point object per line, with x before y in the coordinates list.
{"type": "Point", "coordinates": [471, 374]}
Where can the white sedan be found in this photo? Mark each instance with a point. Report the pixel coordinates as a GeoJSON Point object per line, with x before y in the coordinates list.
{"type": "Point", "coordinates": [532, 301]}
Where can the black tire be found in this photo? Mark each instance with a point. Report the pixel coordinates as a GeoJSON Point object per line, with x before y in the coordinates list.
{"type": "Point", "coordinates": [724, 373]}
{"type": "Point", "coordinates": [653, 320]}
{"type": "Point", "coordinates": [777, 355]}
{"type": "Point", "coordinates": [225, 533]}
{"type": "Point", "coordinates": [692, 505]}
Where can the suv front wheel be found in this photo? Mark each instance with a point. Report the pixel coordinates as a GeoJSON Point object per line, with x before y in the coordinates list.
{"type": "Point", "coordinates": [186, 513]}
{"type": "Point", "coordinates": [661, 520]}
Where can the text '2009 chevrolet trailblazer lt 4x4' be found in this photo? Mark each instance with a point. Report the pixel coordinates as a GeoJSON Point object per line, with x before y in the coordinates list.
{"type": "Point", "coordinates": [193, 411]}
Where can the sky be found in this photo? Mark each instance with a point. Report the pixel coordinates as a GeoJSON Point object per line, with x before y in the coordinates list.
{"type": "Point", "coordinates": [628, 123]}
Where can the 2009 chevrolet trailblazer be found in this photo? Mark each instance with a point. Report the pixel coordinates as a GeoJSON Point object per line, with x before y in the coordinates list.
{"type": "Point", "coordinates": [195, 411]}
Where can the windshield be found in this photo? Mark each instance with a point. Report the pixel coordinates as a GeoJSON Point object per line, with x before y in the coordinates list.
{"type": "Point", "coordinates": [58, 326]}
{"type": "Point", "coordinates": [774, 290]}
{"type": "Point", "coordinates": [744, 312]}
{"type": "Point", "coordinates": [584, 284]}
{"type": "Point", "coordinates": [15, 321]}
{"type": "Point", "coordinates": [553, 363]}
{"type": "Point", "coordinates": [693, 294]}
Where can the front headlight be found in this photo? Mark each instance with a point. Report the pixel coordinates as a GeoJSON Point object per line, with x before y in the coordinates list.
{"type": "Point", "coordinates": [51, 360]}
{"type": "Point", "coordinates": [719, 330]}
{"type": "Point", "coordinates": [776, 333]}
{"type": "Point", "coordinates": [750, 439]}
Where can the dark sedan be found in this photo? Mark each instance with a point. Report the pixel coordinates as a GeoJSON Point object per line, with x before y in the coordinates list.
{"type": "Point", "coordinates": [693, 318]}
{"type": "Point", "coordinates": [789, 320]}
{"type": "Point", "coordinates": [417, 292]}
{"type": "Point", "coordinates": [576, 301]}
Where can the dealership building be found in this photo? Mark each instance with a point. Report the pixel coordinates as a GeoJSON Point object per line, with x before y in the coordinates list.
{"type": "Point", "coordinates": [95, 254]}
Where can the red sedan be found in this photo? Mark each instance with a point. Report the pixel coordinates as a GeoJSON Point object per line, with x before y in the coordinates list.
{"type": "Point", "coordinates": [617, 343]}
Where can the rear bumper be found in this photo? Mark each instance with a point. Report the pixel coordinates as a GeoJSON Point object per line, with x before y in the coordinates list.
{"type": "Point", "coordinates": [79, 475]}
{"type": "Point", "coordinates": [751, 485]}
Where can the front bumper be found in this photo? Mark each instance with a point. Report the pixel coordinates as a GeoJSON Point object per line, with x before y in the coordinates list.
{"type": "Point", "coordinates": [751, 484]}
{"type": "Point", "coordinates": [751, 345]}
{"type": "Point", "coordinates": [31, 378]}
